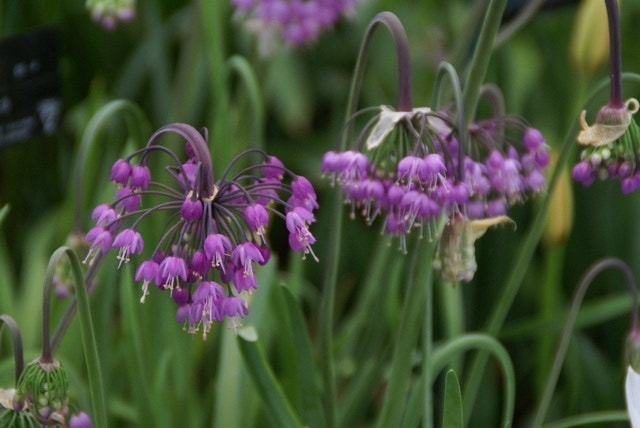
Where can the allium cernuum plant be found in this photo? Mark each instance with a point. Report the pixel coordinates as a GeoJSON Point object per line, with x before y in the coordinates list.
{"type": "Point", "coordinates": [215, 235]}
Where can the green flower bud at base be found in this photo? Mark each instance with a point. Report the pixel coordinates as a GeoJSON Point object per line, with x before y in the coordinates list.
{"type": "Point", "coordinates": [44, 388]}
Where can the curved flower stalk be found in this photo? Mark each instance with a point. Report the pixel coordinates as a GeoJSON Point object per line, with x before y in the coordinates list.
{"type": "Point", "coordinates": [632, 346]}
{"type": "Point", "coordinates": [216, 233]}
{"type": "Point", "coordinates": [293, 21]}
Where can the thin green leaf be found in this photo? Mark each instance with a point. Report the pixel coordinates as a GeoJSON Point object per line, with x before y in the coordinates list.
{"type": "Point", "coordinates": [3, 213]}
{"type": "Point", "coordinates": [452, 412]}
{"type": "Point", "coordinates": [276, 406]}
{"type": "Point", "coordinates": [308, 375]}
{"type": "Point", "coordinates": [235, 402]}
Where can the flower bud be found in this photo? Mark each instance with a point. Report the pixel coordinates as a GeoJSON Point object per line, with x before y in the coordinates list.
{"type": "Point", "coordinates": [590, 39]}
{"type": "Point", "coordinates": [558, 226]}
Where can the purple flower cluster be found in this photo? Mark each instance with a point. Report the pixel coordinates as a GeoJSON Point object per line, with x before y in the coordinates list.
{"type": "Point", "coordinates": [215, 232]}
{"type": "Point", "coordinates": [295, 21]}
{"type": "Point", "coordinates": [410, 185]}
{"type": "Point", "coordinates": [108, 13]}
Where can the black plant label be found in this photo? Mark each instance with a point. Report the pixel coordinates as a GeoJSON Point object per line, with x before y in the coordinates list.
{"type": "Point", "coordinates": [30, 94]}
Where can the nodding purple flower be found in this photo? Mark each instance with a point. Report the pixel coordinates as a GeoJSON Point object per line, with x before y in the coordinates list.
{"type": "Point", "coordinates": [257, 218]}
{"type": "Point", "coordinates": [147, 272]}
{"type": "Point", "coordinates": [216, 247]}
{"type": "Point", "coordinates": [127, 200]}
{"type": "Point", "coordinates": [172, 270]}
{"type": "Point", "coordinates": [120, 172]}
{"type": "Point", "coordinates": [130, 242]}
{"type": "Point", "coordinates": [100, 239]}
{"type": "Point", "coordinates": [273, 168]}
{"type": "Point", "coordinates": [583, 173]}
{"type": "Point", "coordinates": [216, 230]}
{"type": "Point", "coordinates": [302, 194]}
{"type": "Point", "coordinates": [140, 177]}
{"type": "Point", "coordinates": [104, 215]}
{"type": "Point", "coordinates": [243, 257]}
{"type": "Point", "coordinates": [300, 238]}
{"type": "Point", "coordinates": [191, 209]}
{"type": "Point", "coordinates": [234, 308]}
{"type": "Point", "coordinates": [81, 420]}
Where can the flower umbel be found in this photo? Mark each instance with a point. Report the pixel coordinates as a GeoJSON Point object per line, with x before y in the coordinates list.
{"type": "Point", "coordinates": [412, 169]}
{"type": "Point", "coordinates": [295, 22]}
{"type": "Point", "coordinates": [216, 231]}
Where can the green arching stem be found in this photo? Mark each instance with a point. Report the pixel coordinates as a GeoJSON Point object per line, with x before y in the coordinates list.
{"type": "Point", "coordinates": [522, 258]}
{"type": "Point", "coordinates": [443, 355]}
{"type": "Point", "coordinates": [99, 416]}
{"type": "Point", "coordinates": [492, 93]}
{"type": "Point", "coordinates": [396, 29]}
{"type": "Point", "coordinates": [446, 69]}
{"type": "Point", "coordinates": [16, 340]}
{"type": "Point", "coordinates": [481, 56]}
{"type": "Point", "coordinates": [68, 314]}
{"type": "Point", "coordinates": [565, 337]}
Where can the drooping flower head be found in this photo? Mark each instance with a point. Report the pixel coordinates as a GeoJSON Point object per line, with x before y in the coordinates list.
{"type": "Point", "coordinates": [216, 227]}
{"type": "Point", "coordinates": [409, 168]}
{"type": "Point", "coordinates": [295, 22]}
{"type": "Point", "coordinates": [610, 147]}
